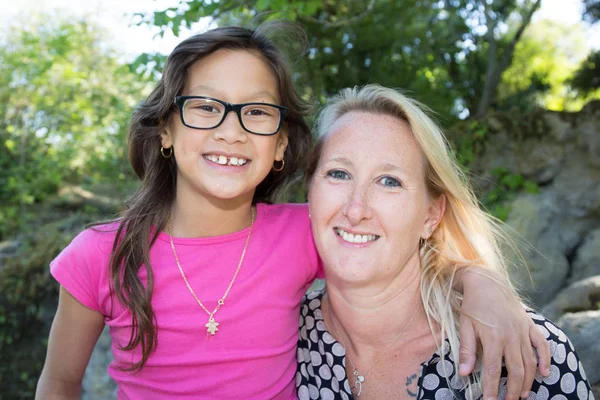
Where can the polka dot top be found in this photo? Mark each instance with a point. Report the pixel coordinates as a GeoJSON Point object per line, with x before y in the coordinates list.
{"type": "Point", "coordinates": [321, 372]}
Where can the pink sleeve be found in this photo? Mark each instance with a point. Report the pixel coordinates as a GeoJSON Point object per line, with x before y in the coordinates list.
{"type": "Point", "coordinates": [79, 267]}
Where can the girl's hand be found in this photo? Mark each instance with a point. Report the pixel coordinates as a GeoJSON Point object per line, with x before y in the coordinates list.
{"type": "Point", "coordinates": [492, 314]}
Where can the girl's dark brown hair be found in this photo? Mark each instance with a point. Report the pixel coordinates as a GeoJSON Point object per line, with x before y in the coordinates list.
{"type": "Point", "coordinates": [147, 212]}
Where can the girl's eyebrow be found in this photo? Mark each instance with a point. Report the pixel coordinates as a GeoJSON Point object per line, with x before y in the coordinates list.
{"type": "Point", "coordinates": [203, 89]}
{"type": "Point", "coordinates": [263, 93]}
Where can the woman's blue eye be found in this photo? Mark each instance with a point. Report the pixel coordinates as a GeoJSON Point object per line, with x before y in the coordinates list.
{"type": "Point", "coordinates": [337, 174]}
{"type": "Point", "coordinates": [388, 181]}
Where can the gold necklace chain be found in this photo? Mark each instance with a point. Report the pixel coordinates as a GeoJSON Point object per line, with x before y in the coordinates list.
{"type": "Point", "coordinates": [212, 325]}
{"type": "Point", "coordinates": [360, 379]}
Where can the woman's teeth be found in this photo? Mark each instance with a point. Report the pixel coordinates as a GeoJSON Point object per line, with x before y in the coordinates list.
{"type": "Point", "coordinates": [222, 160]}
{"type": "Point", "coordinates": [351, 238]}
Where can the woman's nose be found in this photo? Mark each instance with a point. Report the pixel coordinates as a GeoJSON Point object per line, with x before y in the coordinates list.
{"type": "Point", "coordinates": [357, 208]}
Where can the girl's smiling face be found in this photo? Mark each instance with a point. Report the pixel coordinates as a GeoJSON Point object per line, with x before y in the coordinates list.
{"type": "Point", "coordinates": [368, 199]}
{"type": "Point", "coordinates": [227, 162]}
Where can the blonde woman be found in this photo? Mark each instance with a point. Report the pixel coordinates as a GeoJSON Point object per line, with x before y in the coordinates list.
{"type": "Point", "coordinates": [394, 221]}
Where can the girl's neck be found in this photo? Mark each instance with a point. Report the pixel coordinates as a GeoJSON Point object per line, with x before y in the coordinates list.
{"type": "Point", "coordinates": [196, 216]}
{"type": "Point", "coordinates": [370, 317]}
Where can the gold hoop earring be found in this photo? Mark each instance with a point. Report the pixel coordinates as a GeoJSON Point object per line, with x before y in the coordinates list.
{"type": "Point", "coordinates": [162, 151]}
{"type": "Point", "coordinates": [280, 168]}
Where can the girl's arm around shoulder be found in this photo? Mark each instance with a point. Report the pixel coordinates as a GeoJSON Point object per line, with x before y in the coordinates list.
{"type": "Point", "coordinates": [491, 313]}
{"type": "Point", "coordinates": [73, 336]}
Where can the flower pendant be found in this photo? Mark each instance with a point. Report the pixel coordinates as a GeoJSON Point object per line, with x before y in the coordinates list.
{"type": "Point", "coordinates": [211, 326]}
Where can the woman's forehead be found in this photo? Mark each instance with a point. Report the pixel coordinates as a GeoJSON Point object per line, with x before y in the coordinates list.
{"type": "Point", "coordinates": [362, 134]}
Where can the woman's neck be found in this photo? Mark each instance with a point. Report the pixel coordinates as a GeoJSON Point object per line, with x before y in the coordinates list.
{"type": "Point", "coordinates": [370, 317]}
{"type": "Point", "coordinates": [196, 216]}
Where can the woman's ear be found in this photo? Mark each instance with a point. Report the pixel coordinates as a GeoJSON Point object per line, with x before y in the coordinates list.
{"type": "Point", "coordinates": [435, 213]}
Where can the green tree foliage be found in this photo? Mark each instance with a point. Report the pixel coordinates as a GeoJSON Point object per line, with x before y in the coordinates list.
{"type": "Point", "coordinates": [587, 78]}
{"type": "Point", "coordinates": [442, 51]}
{"type": "Point", "coordinates": [544, 62]}
{"type": "Point", "coordinates": [65, 101]}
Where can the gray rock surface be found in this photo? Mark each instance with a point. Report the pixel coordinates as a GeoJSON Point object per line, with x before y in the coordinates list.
{"type": "Point", "coordinates": [587, 259]}
{"type": "Point", "coordinates": [559, 227]}
{"type": "Point", "coordinates": [582, 295]}
{"type": "Point", "coordinates": [583, 329]}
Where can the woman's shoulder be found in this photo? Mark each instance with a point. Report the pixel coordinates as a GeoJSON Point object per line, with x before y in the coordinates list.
{"type": "Point", "coordinates": [310, 312]}
{"type": "Point", "coordinates": [312, 299]}
{"type": "Point", "coordinates": [567, 377]}
{"type": "Point", "coordinates": [563, 355]}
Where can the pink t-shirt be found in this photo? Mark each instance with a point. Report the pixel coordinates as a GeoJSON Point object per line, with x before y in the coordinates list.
{"type": "Point", "coordinates": [252, 356]}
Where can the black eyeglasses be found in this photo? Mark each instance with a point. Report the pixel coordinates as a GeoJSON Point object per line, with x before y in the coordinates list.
{"type": "Point", "coordinates": [200, 112]}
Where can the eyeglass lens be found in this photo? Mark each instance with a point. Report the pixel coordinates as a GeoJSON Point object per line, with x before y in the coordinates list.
{"type": "Point", "coordinates": [207, 113]}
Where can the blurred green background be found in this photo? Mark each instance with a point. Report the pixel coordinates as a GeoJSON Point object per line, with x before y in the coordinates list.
{"type": "Point", "coordinates": [67, 93]}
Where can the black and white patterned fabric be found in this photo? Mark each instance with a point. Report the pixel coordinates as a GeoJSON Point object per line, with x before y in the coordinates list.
{"type": "Point", "coordinates": [321, 372]}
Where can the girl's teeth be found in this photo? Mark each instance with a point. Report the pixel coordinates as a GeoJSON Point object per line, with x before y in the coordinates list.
{"type": "Point", "coordinates": [222, 160]}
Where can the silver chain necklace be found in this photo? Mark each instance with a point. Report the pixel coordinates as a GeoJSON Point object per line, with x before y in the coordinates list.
{"type": "Point", "coordinates": [360, 378]}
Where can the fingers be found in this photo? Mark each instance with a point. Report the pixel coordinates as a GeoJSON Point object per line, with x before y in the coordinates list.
{"type": "Point", "coordinates": [530, 364]}
{"type": "Point", "coordinates": [492, 365]}
{"type": "Point", "coordinates": [515, 368]}
{"type": "Point", "coordinates": [468, 346]}
{"type": "Point", "coordinates": [543, 349]}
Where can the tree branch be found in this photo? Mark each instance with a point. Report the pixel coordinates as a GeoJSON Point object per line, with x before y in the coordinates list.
{"type": "Point", "coordinates": [508, 54]}
{"type": "Point", "coordinates": [496, 68]}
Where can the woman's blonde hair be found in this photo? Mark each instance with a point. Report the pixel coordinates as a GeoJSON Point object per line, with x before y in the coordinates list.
{"type": "Point", "coordinates": [466, 235]}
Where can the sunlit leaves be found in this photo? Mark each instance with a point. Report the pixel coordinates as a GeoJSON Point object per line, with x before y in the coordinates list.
{"type": "Point", "coordinates": [544, 61]}
{"type": "Point", "coordinates": [65, 101]}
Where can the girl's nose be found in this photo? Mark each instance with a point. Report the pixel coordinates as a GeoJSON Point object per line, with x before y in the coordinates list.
{"type": "Point", "coordinates": [231, 130]}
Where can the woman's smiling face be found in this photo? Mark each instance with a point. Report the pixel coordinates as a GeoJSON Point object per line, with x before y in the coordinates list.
{"type": "Point", "coordinates": [368, 198]}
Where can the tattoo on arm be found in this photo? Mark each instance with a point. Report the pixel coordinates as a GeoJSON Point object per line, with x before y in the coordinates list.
{"type": "Point", "coordinates": [411, 385]}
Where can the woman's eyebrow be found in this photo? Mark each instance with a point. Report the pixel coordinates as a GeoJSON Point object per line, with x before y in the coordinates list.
{"type": "Point", "coordinates": [390, 167]}
{"type": "Point", "coordinates": [341, 160]}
